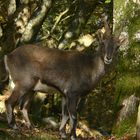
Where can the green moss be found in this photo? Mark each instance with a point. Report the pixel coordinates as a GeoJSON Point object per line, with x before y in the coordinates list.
{"type": "Point", "coordinates": [134, 49]}
{"type": "Point", "coordinates": [127, 12]}
{"type": "Point", "coordinates": [36, 136]}
{"type": "Point", "coordinates": [42, 136]}
{"type": "Point", "coordinates": [123, 65]}
{"type": "Point", "coordinates": [128, 84]}
{"type": "Point", "coordinates": [125, 127]}
{"type": "Point", "coordinates": [134, 25]}
{"type": "Point", "coordinates": [128, 80]}
{"type": "Point", "coordinates": [118, 4]}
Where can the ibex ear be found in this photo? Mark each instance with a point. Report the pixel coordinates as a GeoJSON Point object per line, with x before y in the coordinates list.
{"type": "Point", "coordinates": [117, 43]}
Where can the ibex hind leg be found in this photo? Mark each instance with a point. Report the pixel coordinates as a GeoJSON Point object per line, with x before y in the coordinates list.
{"type": "Point", "coordinates": [72, 102]}
{"type": "Point", "coordinates": [10, 103]}
{"type": "Point", "coordinates": [24, 106]}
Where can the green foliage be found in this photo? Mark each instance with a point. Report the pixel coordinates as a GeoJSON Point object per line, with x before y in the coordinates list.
{"type": "Point", "coordinates": [128, 84]}
{"type": "Point", "coordinates": [128, 78]}
{"type": "Point", "coordinates": [56, 10]}
{"type": "Point", "coordinates": [67, 16]}
{"type": "Point", "coordinates": [3, 11]}
{"type": "Point", "coordinates": [98, 107]}
{"type": "Point", "coordinates": [107, 1]}
{"type": "Point", "coordinates": [124, 12]}
{"type": "Point", "coordinates": [134, 26]}
{"type": "Point", "coordinates": [126, 127]}
{"type": "Point", "coordinates": [7, 134]}
{"type": "Point", "coordinates": [42, 136]}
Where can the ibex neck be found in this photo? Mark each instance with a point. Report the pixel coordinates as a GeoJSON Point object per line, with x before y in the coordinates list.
{"type": "Point", "coordinates": [98, 69]}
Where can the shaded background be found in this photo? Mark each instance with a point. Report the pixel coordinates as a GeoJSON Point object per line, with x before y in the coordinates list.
{"type": "Point", "coordinates": [112, 108]}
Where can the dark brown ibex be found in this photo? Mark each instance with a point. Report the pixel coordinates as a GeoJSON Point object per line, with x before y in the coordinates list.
{"type": "Point", "coordinates": [74, 74]}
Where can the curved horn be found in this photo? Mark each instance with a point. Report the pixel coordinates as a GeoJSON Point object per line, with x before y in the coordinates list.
{"type": "Point", "coordinates": [106, 26]}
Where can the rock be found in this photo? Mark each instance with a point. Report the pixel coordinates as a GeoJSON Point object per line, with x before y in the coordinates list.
{"type": "Point", "coordinates": [136, 37]}
{"type": "Point", "coordinates": [51, 121]}
{"type": "Point", "coordinates": [2, 107]}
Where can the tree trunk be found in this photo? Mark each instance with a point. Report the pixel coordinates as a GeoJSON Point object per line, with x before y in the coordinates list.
{"type": "Point", "coordinates": [138, 124]}
{"type": "Point", "coordinates": [36, 22]}
{"type": "Point", "coordinates": [24, 20]}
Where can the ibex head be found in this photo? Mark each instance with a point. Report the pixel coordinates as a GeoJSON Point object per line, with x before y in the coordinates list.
{"type": "Point", "coordinates": [109, 44]}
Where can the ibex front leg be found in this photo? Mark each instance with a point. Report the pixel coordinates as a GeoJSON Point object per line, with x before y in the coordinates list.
{"type": "Point", "coordinates": [65, 117]}
{"type": "Point", "coordinates": [72, 108]}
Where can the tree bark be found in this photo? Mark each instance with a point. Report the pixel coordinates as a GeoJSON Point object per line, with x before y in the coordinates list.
{"type": "Point", "coordinates": [11, 7]}
{"type": "Point", "coordinates": [23, 23]}
{"type": "Point", "coordinates": [129, 108]}
{"type": "Point", "coordinates": [15, 25]}
{"type": "Point", "coordinates": [138, 124]}
{"type": "Point", "coordinates": [36, 22]}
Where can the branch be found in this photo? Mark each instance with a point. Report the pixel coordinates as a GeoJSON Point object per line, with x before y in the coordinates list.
{"type": "Point", "coordinates": [36, 21]}
{"type": "Point", "coordinates": [66, 18]}
{"type": "Point", "coordinates": [79, 14]}
{"type": "Point", "coordinates": [1, 32]}
{"type": "Point", "coordinates": [58, 19]}
{"type": "Point", "coordinates": [13, 30]}
{"type": "Point", "coordinates": [11, 7]}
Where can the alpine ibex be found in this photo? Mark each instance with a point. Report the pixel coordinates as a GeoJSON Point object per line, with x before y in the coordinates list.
{"type": "Point", "coordinates": [74, 74]}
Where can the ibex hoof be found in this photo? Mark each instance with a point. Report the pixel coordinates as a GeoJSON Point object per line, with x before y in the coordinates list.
{"type": "Point", "coordinates": [64, 136]}
{"type": "Point", "coordinates": [73, 138]}
{"type": "Point", "coordinates": [29, 126]}
{"type": "Point", "coordinates": [14, 127]}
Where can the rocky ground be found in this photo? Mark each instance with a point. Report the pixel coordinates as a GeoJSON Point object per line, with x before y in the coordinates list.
{"type": "Point", "coordinates": [44, 130]}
